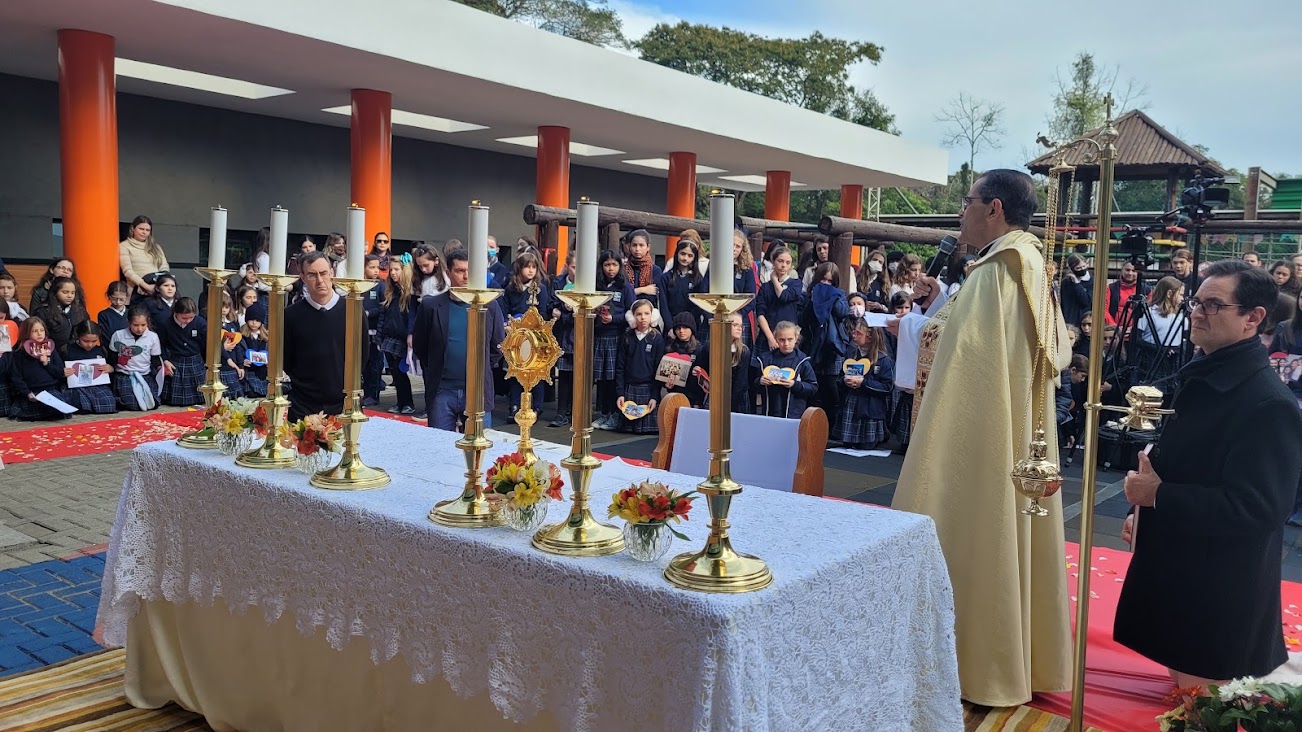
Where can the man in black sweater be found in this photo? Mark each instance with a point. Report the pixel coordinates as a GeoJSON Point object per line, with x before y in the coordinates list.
{"type": "Point", "coordinates": [315, 340]}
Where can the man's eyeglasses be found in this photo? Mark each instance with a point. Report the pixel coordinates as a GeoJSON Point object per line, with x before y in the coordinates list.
{"type": "Point", "coordinates": [969, 200]}
{"type": "Point", "coordinates": [1211, 307]}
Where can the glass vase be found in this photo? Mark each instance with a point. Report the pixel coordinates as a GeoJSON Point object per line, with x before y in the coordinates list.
{"type": "Point", "coordinates": [647, 542]}
{"type": "Point", "coordinates": [316, 462]}
{"type": "Point", "coordinates": [236, 444]}
{"type": "Point", "coordinates": [525, 518]}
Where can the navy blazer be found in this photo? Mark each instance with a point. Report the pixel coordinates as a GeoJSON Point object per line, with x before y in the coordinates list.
{"type": "Point", "coordinates": [429, 342]}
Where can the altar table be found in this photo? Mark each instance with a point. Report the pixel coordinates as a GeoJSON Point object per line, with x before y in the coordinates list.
{"type": "Point", "coordinates": [267, 604]}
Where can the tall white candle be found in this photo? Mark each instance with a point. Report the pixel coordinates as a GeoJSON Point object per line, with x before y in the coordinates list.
{"type": "Point", "coordinates": [279, 240]}
{"type": "Point", "coordinates": [217, 239]}
{"type": "Point", "coordinates": [585, 258]}
{"type": "Point", "coordinates": [477, 245]}
{"type": "Point", "coordinates": [721, 243]}
{"type": "Point", "coordinates": [356, 233]}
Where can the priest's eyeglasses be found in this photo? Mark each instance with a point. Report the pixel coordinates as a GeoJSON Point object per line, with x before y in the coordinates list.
{"type": "Point", "coordinates": [1211, 307]}
{"type": "Point", "coordinates": [969, 200]}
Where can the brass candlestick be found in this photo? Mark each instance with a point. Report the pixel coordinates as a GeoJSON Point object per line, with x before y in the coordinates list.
{"type": "Point", "coordinates": [351, 474]}
{"type": "Point", "coordinates": [531, 351]}
{"type": "Point", "coordinates": [471, 509]}
{"type": "Point", "coordinates": [717, 567]}
{"type": "Point", "coordinates": [581, 535]}
{"type": "Point", "coordinates": [271, 454]}
{"type": "Point", "coordinates": [204, 438]}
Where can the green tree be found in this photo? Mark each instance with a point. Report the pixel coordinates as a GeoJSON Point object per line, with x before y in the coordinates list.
{"type": "Point", "coordinates": [1078, 105]}
{"type": "Point", "coordinates": [590, 21]}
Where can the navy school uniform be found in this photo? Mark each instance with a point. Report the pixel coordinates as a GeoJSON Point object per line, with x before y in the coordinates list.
{"type": "Point", "coordinates": [185, 349]}
{"type": "Point", "coordinates": [6, 393]}
{"type": "Point", "coordinates": [29, 376]}
{"type": "Point", "coordinates": [605, 346]}
{"type": "Point", "coordinates": [255, 376]}
{"type": "Point", "coordinates": [778, 308]}
{"type": "Point", "coordinates": [780, 401]}
{"type": "Point", "coordinates": [60, 322]}
{"type": "Point", "coordinates": [698, 387]}
{"type": "Point", "coordinates": [635, 278]}
{"type": "Point", "coordinates": [564, 328]}
{"type": "Point", "coordinates": [110, 321]}
{"type": "Point", "coordinates": [635, 374]}
{"type": "Point", "coordinates": [95, 399]}
{"type": "Point", "coordinates": [160, 311]}
{"type": "Point", "coordinates": [373, 306]}
{"type": "Point", "coordinates": [867, 407]}
{"type": "Point", "coordinates": [693, 360]}
{"type": "Point", "coordinates": [516, 302]}
{"type": "Point", "coordinates": [674, 293]}
{"type": "Point", "coordinates": [234, 354]}
{"type": "Point", "coordinates": [744, 283]}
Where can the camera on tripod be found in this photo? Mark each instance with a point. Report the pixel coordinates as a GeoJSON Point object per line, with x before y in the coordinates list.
{"type": "Point", "coordinates": [1136, 244]}
{"type": "Point", "coordinates": [1205, 194]}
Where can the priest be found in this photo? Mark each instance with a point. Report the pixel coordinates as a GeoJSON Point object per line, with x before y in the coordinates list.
{"type": "Point", "coordinates": [315, 341]}
{"type": "Point", "coordinates": [974, 360]}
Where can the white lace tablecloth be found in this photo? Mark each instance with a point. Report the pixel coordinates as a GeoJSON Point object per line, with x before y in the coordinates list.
{"type": "Point", "coordinates": [856, 632]}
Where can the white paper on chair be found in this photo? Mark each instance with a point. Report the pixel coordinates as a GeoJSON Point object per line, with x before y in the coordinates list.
{"type": "Point", "coordinates": [83, 373]}
{"type": "Point", "coordinates": [860, 453]}
{"type": "Point", "coordinates": [55, 402]}
{"type": "Point", "coordinates": [876, 320]}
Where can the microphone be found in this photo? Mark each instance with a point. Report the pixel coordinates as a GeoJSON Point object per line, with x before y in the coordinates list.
{"type": "Point", "coordinates": [947, 247]}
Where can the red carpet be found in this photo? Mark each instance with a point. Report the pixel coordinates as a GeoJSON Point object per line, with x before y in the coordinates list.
{"type": "Point", "coordinates": [1123, 690]}
{"type": "Point", "coordinates": [92, 438]}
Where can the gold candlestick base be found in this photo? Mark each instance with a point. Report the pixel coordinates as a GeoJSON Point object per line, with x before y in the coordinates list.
{"type": "Point", "coordinates": [271, 455]}
{"type": "Point", "coordinates": [351, 474]}
{"type": "Point", "coordinates": [472, 510]}
{"type": "Point", "coordinates": [212, 389]}
{"type": "Point", "coordinates": [718, 567]}
{"type": "Point", "coordinates": [580, 534]}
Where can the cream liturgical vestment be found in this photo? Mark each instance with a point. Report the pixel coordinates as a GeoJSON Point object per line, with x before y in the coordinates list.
{"type": "Point", "coordinates": [974, 422]}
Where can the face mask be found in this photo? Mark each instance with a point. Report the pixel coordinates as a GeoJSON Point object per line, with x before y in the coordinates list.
{"type": "Point", "coordinates": [893, 267]}
{"type": "Point", "coordinates": [856, 311]}
{"type": "Point", "coordinates": [492, 256]}
{"type": "Point", "coordinates": [875, 267]}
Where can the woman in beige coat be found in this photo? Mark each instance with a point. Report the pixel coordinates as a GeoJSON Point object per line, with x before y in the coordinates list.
{"type": "Point", "coordinates": [140, 255]}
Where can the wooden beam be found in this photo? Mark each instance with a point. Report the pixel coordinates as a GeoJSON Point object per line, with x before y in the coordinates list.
{"type": "Point", "coordinates": [610, 237]}
{"type": "Point", "coordinates": [838, 252]}
{"type": "Point", "coordinates": [1251, 192]}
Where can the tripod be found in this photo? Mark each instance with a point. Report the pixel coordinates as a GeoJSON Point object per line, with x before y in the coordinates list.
{"type": "Point", "coordinates": [1136, 361]}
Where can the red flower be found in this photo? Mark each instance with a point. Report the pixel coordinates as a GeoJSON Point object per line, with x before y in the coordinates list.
{"type": "Point", "coordinates": [682, 507]}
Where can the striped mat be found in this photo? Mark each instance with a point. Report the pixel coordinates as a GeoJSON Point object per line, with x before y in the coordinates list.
{"type": "Point", "coordinates": [84, 694]}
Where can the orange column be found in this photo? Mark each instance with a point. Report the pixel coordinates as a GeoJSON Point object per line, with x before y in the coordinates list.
{"type": "Point", "coordinates": [372, 160]}
{"type": "Point", "coordinates": [554, 180]}
{"type": "Point", "coordinates": [88, 156]}
{"type": "Point", "coordinates": [682, 195]}
{"type": "Point", "coordinates": [777, 196]}
{"type": "Point", "coordinates": [852, 208]}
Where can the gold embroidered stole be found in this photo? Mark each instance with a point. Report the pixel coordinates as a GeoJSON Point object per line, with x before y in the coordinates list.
{"type": "Point", "coordinates": [927, 345]}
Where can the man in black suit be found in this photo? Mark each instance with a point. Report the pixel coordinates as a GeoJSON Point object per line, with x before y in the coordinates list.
{"type": "Point", "coordinates": [439, 341]}
{"type": "Point", "coordinates": [1202, 593]}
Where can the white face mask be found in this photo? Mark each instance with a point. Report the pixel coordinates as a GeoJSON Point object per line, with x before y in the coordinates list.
{"type": "Point", "coordinates": [875, 267]}
{"type": "Point", "coordinates": [893, 267]}
{"type": "Point", "coordinates": [856, 311]}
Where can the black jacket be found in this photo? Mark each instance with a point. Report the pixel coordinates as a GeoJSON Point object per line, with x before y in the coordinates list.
{"type": "Point", "coordinates": [429, 340]}
{"type": "Point", "coordinates": [780, 401]}
{"type": "Point", "coordinates": [1202, 592]}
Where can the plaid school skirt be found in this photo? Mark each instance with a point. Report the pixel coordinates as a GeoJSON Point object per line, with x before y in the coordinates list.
{"type": "Point", "coordinates": [254, 384]}
{"type": "Point", "coordinates": [396, 347]}
{"type": "Point", "coordinates": [27, 410]}
{"type": "Point", "coordinates": [902, 418]}
{"type": "Point", "coordinates": [97, 399]}
{"type": "Point", "coordinates": [605, 348]}
{"type": "Point", "coordinates": [181, 389]}
{"type": "Point", "coordinates": [857, 431]}
{"type": "Point", "coordinates": [234, 387]}
{"type": "Point", "coordinates": [126, 395]}
{"type": "Point", "coordinates": [640, 394]}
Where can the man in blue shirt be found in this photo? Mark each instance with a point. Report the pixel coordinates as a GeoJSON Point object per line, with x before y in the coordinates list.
{"type": "Point", "coordinates": [439, 341]}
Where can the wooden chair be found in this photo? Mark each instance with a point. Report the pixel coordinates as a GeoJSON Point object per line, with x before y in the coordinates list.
{"type": "Point", "coordinates": [684, 440]}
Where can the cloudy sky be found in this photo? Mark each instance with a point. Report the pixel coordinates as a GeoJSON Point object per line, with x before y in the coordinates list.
{"type": "Point", "coordinates": [1223, 74]}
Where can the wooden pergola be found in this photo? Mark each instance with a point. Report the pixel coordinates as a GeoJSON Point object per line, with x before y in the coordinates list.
{"type": "Point", "coordinates": [1145, 151]}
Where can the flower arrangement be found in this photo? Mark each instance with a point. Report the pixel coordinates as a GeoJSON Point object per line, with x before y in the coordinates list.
{"type": "Point", "coordinates": [1247, 704]}
{"type": "Point", "coordinates": [523, 484]}
{"type": "Point", "coordinates": [650, 502]}
{"type": "Point", "coordinates": [232, 416]}
{"type": "Point", "coordinates": [313, 433]}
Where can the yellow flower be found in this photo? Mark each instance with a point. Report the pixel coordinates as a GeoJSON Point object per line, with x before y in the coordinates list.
{"type": "Point", "coordinates": [234, 424]}
{"type": "Point", "coordinates": [526, 494]}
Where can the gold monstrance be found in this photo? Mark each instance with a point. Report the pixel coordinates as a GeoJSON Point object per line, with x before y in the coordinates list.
{"type": "Point", "coordinates": [531, 352]}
